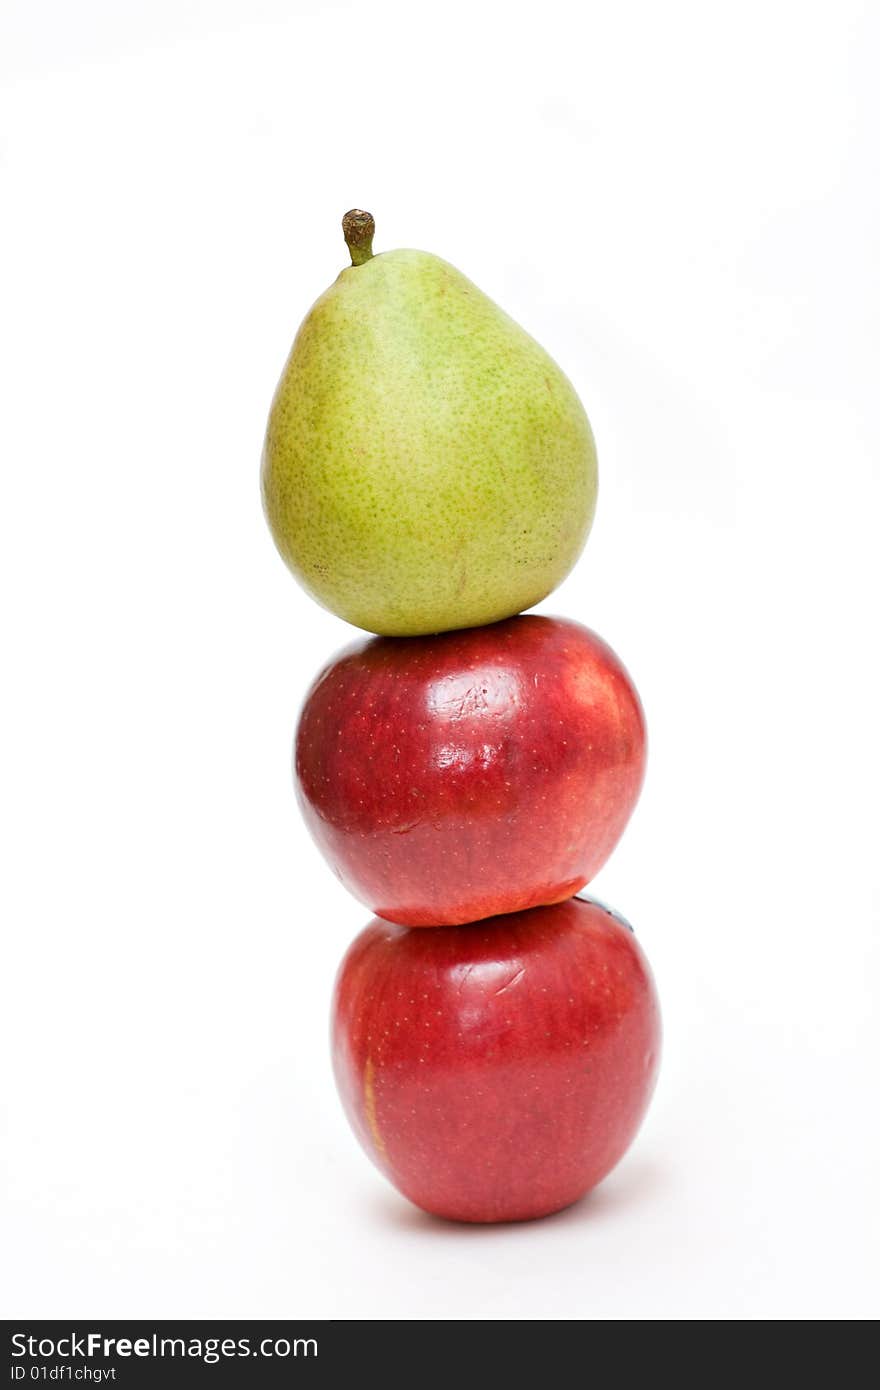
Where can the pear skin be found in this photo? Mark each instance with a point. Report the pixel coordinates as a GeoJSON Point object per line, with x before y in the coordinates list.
{"type": "Point", "coordinates": [427, 465]}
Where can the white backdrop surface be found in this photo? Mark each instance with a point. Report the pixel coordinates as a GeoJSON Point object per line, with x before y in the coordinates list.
{"type": "Point", "coordinates": [681, 203]}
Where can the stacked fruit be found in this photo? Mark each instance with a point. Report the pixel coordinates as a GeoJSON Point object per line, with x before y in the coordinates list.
{"type": "Point", "coordinates": [429, 473]}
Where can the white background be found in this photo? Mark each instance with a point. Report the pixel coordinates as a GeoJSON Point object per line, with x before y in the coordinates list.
{"type": "Point", "coordinates": [680, 201]}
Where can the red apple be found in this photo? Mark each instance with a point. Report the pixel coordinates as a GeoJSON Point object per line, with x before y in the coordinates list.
{"type": "Point", "coordinates": [455, 777]}
{"type": "Point", "coordinates": [498, 1071]}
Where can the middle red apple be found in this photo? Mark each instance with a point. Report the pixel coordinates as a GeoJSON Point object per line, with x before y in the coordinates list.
{"type": "Point", "coordinates": [455, 777]}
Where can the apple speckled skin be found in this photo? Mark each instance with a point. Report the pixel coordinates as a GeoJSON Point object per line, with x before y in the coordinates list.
{"type": "Point", "coordinates": [427, 465]}
{"type": "Point", "coordinates": [497, 1071]}
{"type": "Point", "coordinates": [452, 778]}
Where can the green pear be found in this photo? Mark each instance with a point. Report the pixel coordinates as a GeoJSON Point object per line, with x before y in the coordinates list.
{"type": "Point", "coordinates": [426, 466]}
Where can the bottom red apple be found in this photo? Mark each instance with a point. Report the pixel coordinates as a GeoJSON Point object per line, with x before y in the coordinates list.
{"type": "Point", "coordinates": [497, 1071]}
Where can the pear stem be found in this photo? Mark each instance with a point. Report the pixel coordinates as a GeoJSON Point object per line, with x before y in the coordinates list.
{"type": "Point", "coordinates": [359, 228]}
